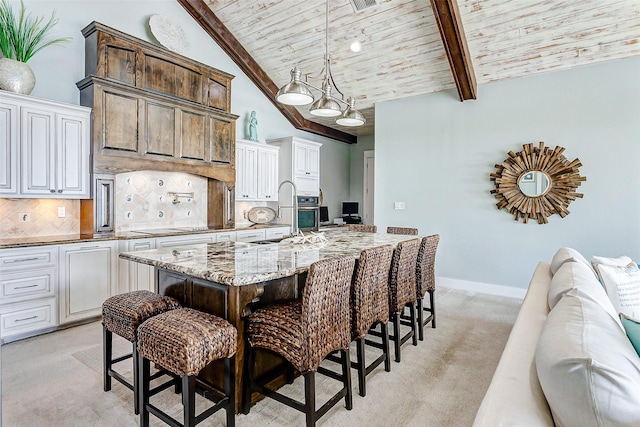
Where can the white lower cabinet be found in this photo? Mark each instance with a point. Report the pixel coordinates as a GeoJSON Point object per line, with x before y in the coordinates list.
{"type": "Point", "coordinates": [87, 278]}
{"type": "Point", "coordinates": [28, 286]}
{"type": "Point", "coordinates": [134, 276]}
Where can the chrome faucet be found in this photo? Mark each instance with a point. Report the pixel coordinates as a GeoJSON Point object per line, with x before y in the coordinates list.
{"type": "Point", "coordinates": [293, 207]}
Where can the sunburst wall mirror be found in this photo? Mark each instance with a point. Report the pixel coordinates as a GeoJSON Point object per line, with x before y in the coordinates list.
{"type": "Point", "coordinates": [536, 183]}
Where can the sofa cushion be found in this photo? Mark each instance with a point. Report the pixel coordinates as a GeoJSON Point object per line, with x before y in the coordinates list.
{"type": "Point", "coordinates": [632, 327]}
{"type": "Point", "coordinates": [568, 254]}
{"type": "Point", "coordinates": [623, 286]}
{"type": "Point", "coordinates": [587, 367]}
{"type": "Point", "coordinates": [567, 277]}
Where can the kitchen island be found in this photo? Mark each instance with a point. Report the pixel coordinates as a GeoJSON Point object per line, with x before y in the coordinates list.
{"type": "Point", "coordinates": [230, 279]}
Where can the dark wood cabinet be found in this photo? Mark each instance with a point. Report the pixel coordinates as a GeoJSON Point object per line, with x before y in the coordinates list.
{"type": "Point", "coordinates": [154, 109]}
{"type": "Point", "coordinates": [113, 55]}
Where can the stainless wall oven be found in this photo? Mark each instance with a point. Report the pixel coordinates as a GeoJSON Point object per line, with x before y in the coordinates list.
{"type": "Point", "coordinates": [308, 213]}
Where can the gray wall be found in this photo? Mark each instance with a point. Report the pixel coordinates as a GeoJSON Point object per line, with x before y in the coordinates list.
{"type": "Point", "coordinates": [59, 67]}
{"type": "Point", "coordinates": [436, 153]}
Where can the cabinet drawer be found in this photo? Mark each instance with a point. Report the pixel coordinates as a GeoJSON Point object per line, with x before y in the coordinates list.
{"type": "Point", "coordinates": [276, 233]}
{"type": "Point", "coordinates": [27, 317]}
{"type": "Point", "coordinates": [250, 236]}
{"type": "Point", "coordinates": [23, 285]}
{"type": "Point", "coordinates": [28, 258]}
{"type": "Point", "coordinates": [229, 236]}
{"type": "Point", "coordinates": [171, 242]}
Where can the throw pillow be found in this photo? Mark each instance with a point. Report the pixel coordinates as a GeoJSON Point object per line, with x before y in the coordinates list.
{"type": "Point", "coordinates": [587, 368]}
{"type": "Point", "coordinates": [620, 261]}
{"type": "Point", "coordinates": [632, 327]}
{"type": "Point", "coordinates": [565, 255]}
{"type": "Point", "coordinates": [623, 287]}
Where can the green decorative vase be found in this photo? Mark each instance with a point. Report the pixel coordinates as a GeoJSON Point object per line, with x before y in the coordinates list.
{"type": "Point", "coordinates": [16, 76]}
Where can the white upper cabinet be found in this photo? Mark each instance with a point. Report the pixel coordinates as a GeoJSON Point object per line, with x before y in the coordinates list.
{"type": "Point", "coordinates": [256, 171]}
{"type": "Point", "coordinates": [8, 148]}
{"type": "Point", "coordinates": [51, 154]}
{"type": "Point", "coordinates": [268, 174]}
{"type": "Point", "coordinates": [300, 163]}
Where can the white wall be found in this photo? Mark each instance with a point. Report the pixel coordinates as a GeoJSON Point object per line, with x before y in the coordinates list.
{"type": "Point", "coordinates": [436, 153]}
{"type": "Point", "coordinates": [59, 67]}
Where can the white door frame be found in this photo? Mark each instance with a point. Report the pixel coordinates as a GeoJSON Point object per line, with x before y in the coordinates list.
{"type": "Point", "coordinates": [368, 187]}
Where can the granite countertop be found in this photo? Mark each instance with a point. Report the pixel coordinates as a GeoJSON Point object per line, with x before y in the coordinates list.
{"type": "Point", "coordinates": [239, 263]}
{"type": "Point", "coordinates": [21, 242]}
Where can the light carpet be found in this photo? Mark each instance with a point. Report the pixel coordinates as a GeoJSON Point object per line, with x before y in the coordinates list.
{"type": "Point", "coordinates": [56, 379]}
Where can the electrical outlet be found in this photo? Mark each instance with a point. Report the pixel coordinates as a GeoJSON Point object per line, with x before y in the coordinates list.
{"type": "Point", "coordinates": [398, 206]}
{"type": "Point", "coordinates": [62, 212]}
{"type": "Point", "coordinates": [24, 217]}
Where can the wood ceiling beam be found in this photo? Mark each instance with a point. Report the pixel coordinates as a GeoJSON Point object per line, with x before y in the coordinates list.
{"type": "Point", "coordinates": [199, 10]}
{"type": "Point", "coordinates": [455, 44]}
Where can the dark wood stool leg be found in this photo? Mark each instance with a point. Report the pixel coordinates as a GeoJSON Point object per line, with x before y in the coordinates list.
{"type": "Point", "coordinates": [145, 367]}
{"type": "Point", "coordinates": [396, 336]}
{"type": "Point", "coordinates": [230, 389]}
{"type": "Point", "coordinates": [414, 328]}
{"type": "Point", "coordinates": [361, 367]}
{"type": "Point", "coordinates": [136, 379]}
{"type": "Point", "coordinates": [248, 378]}
{"type": "Point", "coordinates": [385, 344]}
{"type": "Point", "coordinates": [310, 398]}
{"type": "Point", "coordinates": [346, 374]}
{"type": "Point", "coordinates": [189, 400]}
{"type": "Point", "coordinates": [420, 319]}
{"type": "Point", "coordinates": [107, 348]}
{"type": "Point", "coordinates": [433, 309]}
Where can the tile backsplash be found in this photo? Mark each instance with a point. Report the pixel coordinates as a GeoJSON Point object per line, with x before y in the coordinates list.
{"type": "Point", "coordinates": [145, 200]}
{"type": "Point", "coordinates": [38, 217]}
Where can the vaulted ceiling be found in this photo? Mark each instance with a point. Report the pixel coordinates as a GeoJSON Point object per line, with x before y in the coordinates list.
{"type": "Point", "coordinates": [414, 47]}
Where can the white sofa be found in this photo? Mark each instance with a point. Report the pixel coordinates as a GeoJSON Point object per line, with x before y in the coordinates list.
{"type": "Point", "coordinates": [587, 366]}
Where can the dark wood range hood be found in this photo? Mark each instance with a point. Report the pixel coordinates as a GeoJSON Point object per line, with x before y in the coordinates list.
{"type": "Point", "coordinates": [154, 109]}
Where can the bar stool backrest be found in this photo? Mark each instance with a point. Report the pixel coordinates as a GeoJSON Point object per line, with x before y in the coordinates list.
{"type": "Point", "coordinates": [366, 228]}
{"type": "Point", "coordinates": [403, 230]}
{"type": "Point", "coordinates": [325, 308]}
{"type": "Point", "coordinates": [402, 276]}
{"type": "Point", "coordinates": [370, 289]}
{"type": "Point", "coordinates": [425, 265]}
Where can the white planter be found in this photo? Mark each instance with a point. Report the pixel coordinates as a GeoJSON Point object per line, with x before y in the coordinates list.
{"type": "Point", "coordinates": [16, 76]}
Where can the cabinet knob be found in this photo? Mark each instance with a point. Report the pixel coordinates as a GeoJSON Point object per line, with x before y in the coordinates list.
{"type": "Point", "coordinates": [308, 173]}
{"type": "Point", "coordinates": [59, 191]}
{"type": "Point", "coordinates": [52, 191]}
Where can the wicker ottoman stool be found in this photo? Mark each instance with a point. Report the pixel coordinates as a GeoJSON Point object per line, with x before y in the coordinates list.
{"type": "Point", "coordinates": [121, 315]}
{"type": "Point", "coordinates": [184, 341]}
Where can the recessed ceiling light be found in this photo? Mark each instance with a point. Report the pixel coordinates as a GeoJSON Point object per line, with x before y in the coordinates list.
{"type": "Point", "coordinates": [355, 46]}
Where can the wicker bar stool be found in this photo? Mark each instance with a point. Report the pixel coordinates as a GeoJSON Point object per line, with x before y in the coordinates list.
{"type": "Point", "coordinates": [403, 230]}
{"type": "Point", "coordinates": [185, 341]}
{"type": "Point", "coordinates": [304, 333]}
{"type": "Point", "coordinates": [426, 281]}
{"type": "Point", "coordinates": [121, 315]}
{"type": "Point", "coordinates": [402, 291]}
{"type": "Point", "coordinates": [370, 307]}
{"type": "Point", "coordinates": [365, 228]}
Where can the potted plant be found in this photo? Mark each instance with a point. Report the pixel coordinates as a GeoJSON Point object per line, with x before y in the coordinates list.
{"type": "Point", "coordinates": [21, 37]}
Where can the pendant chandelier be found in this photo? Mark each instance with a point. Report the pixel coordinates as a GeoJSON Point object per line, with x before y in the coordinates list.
{"type": "Point", "coordinates": [298, 92]}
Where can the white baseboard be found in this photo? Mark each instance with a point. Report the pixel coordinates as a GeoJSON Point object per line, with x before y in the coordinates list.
{"type": "Point", "coordinates": [483, 288]}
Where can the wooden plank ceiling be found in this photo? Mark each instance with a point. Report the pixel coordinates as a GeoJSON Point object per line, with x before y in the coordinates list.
{"type": "Point", "coordinates": [402, 48]}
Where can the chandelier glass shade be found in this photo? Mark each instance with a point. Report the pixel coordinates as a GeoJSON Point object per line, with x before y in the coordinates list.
{"type": "Point", "coordinates": [298, 92]}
